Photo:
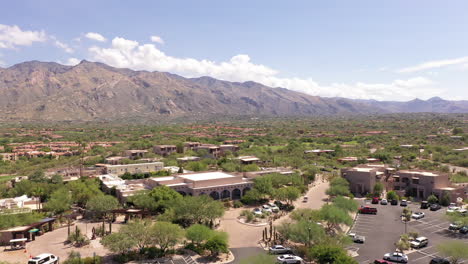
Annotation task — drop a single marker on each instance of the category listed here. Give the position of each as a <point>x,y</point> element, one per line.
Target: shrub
<point>237,204</point>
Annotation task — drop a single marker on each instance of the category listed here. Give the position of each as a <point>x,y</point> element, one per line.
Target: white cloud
<point>95,36</point>
<point>13,36</point>
<point>61,45</point>
<point>434,64</point>
<point>130,54</point>
<point>72,61</point>
<point>157,39</point>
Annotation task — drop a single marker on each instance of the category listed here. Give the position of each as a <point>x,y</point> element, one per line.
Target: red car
<point>381,261</point>
<point>368,210</point>
<point>375,200</point>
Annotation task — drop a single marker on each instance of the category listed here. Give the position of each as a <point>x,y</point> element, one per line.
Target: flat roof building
<point>165,150</point>
<point>421,183</point>
<point>363,178</point>
<point>133,168</point>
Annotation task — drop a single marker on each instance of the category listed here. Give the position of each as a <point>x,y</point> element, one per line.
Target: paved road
<point>244,239</point>
<point>381,232</point>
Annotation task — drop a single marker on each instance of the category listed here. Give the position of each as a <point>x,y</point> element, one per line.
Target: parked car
<point>463,211</point>
<point>279,249</point>
<point>357,238</point>
<point>44,258</point>
<point>435,207</point>
<point>394,202</point>
<point>452,209</point>
<point>424,205</point>
<point>455,226</point>
<point>266,209</point>
<point>367,210</point>
<point>439,261</point>
<point>418,215</point>
<point>404,203</point>
<point>396,257</point>
<point>280,205</point>
<point>419,242</point>
<point>257,211</point>
<point>383,202</point>
<point>375,200</point>
<point>381,261</point>
<point>305,199</point>
<point>463,229</point>
<point>287,259</point>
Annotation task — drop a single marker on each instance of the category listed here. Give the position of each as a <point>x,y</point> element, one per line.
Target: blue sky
<point>385,50</point>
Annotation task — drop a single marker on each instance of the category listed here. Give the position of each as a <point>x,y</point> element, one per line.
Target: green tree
<point>306,214</point>
<point>101,205</point>
<point>251,196</point>
<point>59,202</point>
<point>325,253</point>
<point>56,179</point>
<point>378,189</point>
<point>196,210</point>
<point>143,200</point>
<point>304,231</point>
<point>456,251</point>
<point>338,190</point>
<point>457,131</point>
<point>392,195</point>
<point>432,199</point>
<point>83,189</point>
<point>138,232</point>
<point>404,243</point>
<point>37,176</point>
<point>164,196</point>
<point>345,203</point>
<point>118,243</point>
<point>217,243</point>
<point>445,199</point>
<point>334,216</point>
<point>198,233</point>
<point>166,235</point>
<point>288,194</point>
<point>263,185</point>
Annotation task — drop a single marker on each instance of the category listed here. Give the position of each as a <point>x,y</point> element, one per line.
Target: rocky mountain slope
<point>94,91</point>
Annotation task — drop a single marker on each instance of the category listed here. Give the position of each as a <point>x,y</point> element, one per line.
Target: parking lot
<point>384,229</point>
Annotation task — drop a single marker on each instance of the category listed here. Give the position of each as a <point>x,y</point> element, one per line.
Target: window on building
<point>415,181</point>
<point>397,188</point>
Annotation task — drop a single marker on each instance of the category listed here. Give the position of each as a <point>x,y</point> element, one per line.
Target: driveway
<point>243,239</point>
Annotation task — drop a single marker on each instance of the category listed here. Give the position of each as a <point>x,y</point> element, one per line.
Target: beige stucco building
<point>363,178</point>
<point>133,168</point>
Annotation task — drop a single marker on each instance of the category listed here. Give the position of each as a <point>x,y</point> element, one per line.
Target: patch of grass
<point>6,178</point>
<point>458,178</point>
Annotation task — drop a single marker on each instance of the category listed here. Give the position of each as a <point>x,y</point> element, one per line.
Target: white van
<point>44,258</point>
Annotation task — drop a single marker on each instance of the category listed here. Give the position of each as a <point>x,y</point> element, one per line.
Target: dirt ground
<point>53,242</point>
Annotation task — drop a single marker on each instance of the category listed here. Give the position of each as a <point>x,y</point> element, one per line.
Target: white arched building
<point>218,185</point>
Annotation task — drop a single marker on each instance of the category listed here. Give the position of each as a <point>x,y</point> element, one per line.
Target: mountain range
<point>47,91</point>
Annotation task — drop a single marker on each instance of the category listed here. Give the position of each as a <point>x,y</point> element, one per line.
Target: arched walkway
<point>214,195</point>
<point>245,191</point>
<point>236,194</point>
<point>225,194</point>
<point>183,193</point>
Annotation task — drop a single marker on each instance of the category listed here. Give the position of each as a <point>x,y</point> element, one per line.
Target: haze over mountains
<point>94,91</point>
